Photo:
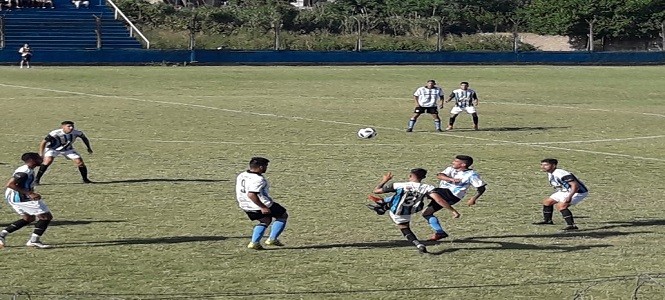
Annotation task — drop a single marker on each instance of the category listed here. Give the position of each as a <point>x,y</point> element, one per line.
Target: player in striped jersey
<point>61,142</point>
<point>569,191</point>
<point>466,99</point>
<point>21,196</point>
<point>426,98</point>
<point>455,181</point>
<point>407,200</point>
<point>253,198</point>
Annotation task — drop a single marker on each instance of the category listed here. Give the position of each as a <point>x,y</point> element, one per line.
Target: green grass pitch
<point>163,222</point>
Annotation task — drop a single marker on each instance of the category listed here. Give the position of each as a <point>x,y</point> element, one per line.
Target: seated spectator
<point>47,3</point>
<point>79,3</point>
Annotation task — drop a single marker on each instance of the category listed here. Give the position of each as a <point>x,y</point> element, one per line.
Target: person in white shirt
<point>408,199</point>
<point>427,98</point>
<point>569,190</point>
<point>26,55</point>
<point>466,99</point>
<point>61,142</point>
<point>21,196</point>
<point>455,181</point>
<point>252,194</point>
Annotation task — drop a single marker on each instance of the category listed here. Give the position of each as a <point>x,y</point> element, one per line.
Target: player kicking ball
<point>407,200</point>
<point>21,196</point>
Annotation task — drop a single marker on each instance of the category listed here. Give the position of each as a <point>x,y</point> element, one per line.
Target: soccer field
<point>162,222</point>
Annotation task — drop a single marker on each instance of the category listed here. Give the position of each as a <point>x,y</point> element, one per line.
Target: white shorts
<point>561,196</point>
<point>31,208</point>
<point>468,109</point>
<point>70,154</point>
<point>400,219</point>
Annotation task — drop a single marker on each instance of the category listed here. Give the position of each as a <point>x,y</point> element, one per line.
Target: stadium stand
<point>65,27</point>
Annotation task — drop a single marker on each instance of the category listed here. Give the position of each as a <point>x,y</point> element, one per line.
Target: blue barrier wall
<point>220,57</point>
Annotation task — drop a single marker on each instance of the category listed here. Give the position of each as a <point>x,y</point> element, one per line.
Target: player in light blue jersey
<point>455,181</point>
<point>569,190</point>
<point>407,200</point>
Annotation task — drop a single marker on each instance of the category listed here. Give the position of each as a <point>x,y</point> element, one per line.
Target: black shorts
<point>276,211</point>
<point>26,57</point>
<point>447,195</point>
<point>429,110</point>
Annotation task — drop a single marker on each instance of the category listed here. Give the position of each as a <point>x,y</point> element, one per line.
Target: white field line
<point>323,121</point>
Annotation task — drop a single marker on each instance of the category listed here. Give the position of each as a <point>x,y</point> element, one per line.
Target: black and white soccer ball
<point>366,133</point>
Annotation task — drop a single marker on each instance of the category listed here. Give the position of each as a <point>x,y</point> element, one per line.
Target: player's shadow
<point>75,222</point>
<point>523,128</point>
<point>636,223</point>
<point>172,180</point>
<point>585,233</point>
<point>149,241</point>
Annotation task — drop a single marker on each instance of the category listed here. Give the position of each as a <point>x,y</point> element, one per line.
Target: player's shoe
<point>274,243</point>
<point>379,210</point>
<point>88,181</point>
<point>437,236</point>
<point>375,198</point>
<point>543,222</point>
<point>475,127</point>
<point>570,228</point>
<point>421,248</point>
<point>255,246</point>
<point>450,127</point>
<point>2,242</point>
<point>409,130</point>
<point>439,130</point>
<point>37,244</point>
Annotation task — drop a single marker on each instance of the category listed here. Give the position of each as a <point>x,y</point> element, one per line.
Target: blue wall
<point>212,57</point>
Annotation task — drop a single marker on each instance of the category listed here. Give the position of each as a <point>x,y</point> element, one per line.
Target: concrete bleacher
<point>65,27</point>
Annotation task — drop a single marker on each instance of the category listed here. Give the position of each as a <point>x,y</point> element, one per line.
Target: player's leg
<point>280,215</point>
<point>80,164</point>
<point>412,122</point>
<point>453,115</point>
<point>437,120</point>
<point>49,156</point>
<point>548,210</point>
<point>25,220</point>
<point>474,116</point>
<point>433,221</point>
<point>44,220</point>
<point>409,235</point>
<point>566,213</point>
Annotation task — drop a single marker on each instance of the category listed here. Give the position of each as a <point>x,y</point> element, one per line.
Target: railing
<point>2,32</point>
<point>132,29</point>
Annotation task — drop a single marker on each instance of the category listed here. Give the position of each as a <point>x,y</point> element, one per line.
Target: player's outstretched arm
<point>436,197</point>
<point>480,192</point>
<point>86,141</point>
<point>379,187</point>
<point>446,178</point>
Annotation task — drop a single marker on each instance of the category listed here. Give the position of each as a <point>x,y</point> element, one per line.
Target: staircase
<point>65,27</point>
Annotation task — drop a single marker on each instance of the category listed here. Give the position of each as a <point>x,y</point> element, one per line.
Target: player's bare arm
<point>415,99</point>
<point>475,99</point>
<point>379,187</point>
<point>14,186</point>
<point>255,199</point>
<point>480,192</point>
<point>574,187</point>
<point>436,197</point>
<point>86,141</point>
<point>42,147</point>
<point>446,178</point>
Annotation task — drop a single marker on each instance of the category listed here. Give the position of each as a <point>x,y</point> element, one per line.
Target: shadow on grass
<point>144,180</point>
<point>535,128</point>
<point>149,241</point>
<point>74,222</point>
<point>585,233</point>
<point>637,223</point>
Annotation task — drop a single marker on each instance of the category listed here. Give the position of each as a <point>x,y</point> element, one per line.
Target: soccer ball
<point>366,133</point>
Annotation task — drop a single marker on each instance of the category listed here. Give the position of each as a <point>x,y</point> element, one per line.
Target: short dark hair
<point>551,161</point>
<point>464,82</point>
<point>468,160</point>
<point>67,123</point>
<point>432,81</point>
<point>419,172</point>
<point>258,161</point>
<point>30,156</point>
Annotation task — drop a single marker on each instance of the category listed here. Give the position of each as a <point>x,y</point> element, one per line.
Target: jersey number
<point>242,186</point>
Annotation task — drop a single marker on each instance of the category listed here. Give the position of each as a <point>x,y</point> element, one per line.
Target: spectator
<point>26,55</point>
<point>79,3</point>
<point>45,3</point>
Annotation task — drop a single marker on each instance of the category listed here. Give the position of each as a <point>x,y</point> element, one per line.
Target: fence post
<point>662,35</point>
<point>98,31</point>
<point>2,32</point>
